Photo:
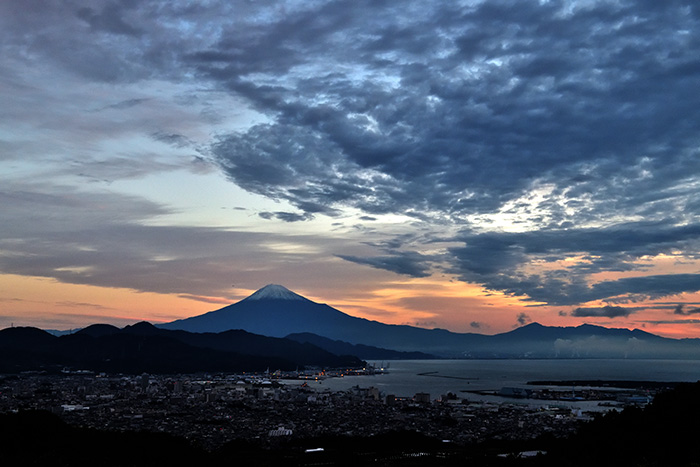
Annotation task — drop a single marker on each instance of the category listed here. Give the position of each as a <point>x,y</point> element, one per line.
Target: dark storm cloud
<point>108,19</point>
<point>177,140</point>
<point>675,321</point>
<point>406,263</point>
<point>606,312</point>
<point>440,109</point>
<point>478,101</point>
<point>572,121</point>
<point>498,261</point>
<point>523,319</point>
<point>682,310</point>
<point>285,216</point>
<point>452,112</point>
<point>110,41</point>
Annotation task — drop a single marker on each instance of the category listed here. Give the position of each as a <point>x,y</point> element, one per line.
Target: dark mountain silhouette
<point>587,341</point>
<point>276,311</point>
<point>33,338</point>
<point>365,352</point>
<point>99,330</point>
<point>244,342</point>
<point>144,348</point>
<point>539,332</point>
<point>658,434</point>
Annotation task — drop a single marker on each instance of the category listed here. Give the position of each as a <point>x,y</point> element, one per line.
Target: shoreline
<point>608,384</point>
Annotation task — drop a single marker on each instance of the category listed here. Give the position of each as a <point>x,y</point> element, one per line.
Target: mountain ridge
<point>273,316</point>
<point>142,347</point>
<point>364,352</point>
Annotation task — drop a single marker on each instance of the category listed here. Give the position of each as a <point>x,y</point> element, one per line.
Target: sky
<point>468,165</point>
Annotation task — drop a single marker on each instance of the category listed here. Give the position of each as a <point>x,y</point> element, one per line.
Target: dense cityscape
<point>211,410</point>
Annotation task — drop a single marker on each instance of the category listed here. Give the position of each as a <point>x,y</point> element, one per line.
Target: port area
<point>317,374</point>
<point>607,393</point>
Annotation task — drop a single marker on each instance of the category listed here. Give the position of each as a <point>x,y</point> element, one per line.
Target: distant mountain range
<point>364,352</point>
<point>145,348</point>
<point>278,312</point>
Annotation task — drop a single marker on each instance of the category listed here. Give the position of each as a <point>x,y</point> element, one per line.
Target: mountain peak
<point>275,292</point>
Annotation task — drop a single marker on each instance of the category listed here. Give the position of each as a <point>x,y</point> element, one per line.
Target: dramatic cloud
<point>567,123</point>
<point>523,319</point>
<point>606,312</point>
<point>499,261</point>
<point>682,310</point>
<point>545,151</point>
<point>407,263</point>
<point>485,102</point>
<point>285,216</point>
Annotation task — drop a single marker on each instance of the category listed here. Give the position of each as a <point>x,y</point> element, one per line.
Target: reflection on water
<point>437,377</point>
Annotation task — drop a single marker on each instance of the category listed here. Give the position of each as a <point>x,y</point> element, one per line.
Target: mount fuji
<point>276,311</point>
<point>275,292</point>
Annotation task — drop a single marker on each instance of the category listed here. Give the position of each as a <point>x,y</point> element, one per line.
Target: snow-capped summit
<point>275,292</point>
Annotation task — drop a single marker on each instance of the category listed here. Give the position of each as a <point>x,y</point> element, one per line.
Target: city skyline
<point>474,166</point>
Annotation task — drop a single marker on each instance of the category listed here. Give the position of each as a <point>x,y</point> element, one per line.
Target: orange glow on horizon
<point>423,302</point>
<point>49,304</point>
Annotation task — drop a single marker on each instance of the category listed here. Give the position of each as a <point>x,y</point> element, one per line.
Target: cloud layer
<point>573,124</point>
<point>545,150</point>
<point>458,110</point>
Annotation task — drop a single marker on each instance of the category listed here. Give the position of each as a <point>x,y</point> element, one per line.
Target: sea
<point>405,378</point>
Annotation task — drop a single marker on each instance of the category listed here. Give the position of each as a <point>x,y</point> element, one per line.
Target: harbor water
<point>405,378</point>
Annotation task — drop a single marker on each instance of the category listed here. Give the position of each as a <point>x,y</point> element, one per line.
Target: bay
<point>405,378</point>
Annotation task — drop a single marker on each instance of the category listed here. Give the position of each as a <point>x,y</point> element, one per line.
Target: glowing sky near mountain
<point>472,165</point>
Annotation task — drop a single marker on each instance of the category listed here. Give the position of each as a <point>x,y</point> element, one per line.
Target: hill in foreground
<point>144,348</point>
